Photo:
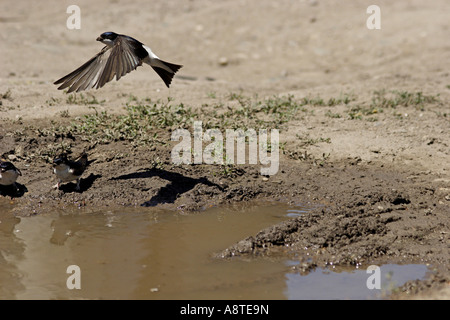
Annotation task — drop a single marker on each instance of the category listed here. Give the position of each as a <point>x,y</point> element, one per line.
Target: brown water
<point>146,253</point>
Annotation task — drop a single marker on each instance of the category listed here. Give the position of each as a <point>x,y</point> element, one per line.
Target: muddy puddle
<point>146,253</point>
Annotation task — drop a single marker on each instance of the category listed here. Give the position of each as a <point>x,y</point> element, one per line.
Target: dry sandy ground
<point>386,176</point>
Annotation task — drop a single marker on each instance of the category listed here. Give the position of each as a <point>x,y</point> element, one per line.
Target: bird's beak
<point>99,39</point>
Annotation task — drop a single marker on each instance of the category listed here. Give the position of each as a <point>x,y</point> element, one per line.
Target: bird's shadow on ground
<point>178,185</point>
<point>12,191</point>
<point>85,184</point>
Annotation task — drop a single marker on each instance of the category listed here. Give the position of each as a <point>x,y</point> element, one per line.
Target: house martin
<point>9,174</point>
<point>68,170</point>
<point>121,55</point>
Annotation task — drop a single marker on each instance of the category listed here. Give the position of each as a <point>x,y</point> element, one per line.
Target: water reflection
<point>11,251</point>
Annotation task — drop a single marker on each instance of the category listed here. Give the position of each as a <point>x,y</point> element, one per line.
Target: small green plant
<point>307,141</point>
<point>6,95</point>
<point>64,114</point>
<point>161,114</point>
<point>157,163</point>
<point>136,126</point>
<point>358,111</point>
<point>344,98</point>
<point>53,101</point>
<point>235,96</point>
<point>321,162</point>
<point>332,114</point>
<point>392,99</point>
<point>81,99</point>
<point>317,101</point>
<point>48,152</point>
<point>211,95</point>
<point>229,170</point>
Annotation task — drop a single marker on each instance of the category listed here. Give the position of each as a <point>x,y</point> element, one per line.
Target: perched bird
<point>68,170</point>
<point>121,55</point>
<point>9,174</point>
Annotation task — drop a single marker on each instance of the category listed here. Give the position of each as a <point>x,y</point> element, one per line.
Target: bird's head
<point>107,38</point>
<point>3,166</point>
<point>60,159</point>
<point>6,166</point>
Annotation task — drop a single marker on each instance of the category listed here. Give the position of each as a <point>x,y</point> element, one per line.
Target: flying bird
<point>9,174</point>
<point>121,55</point>
<point>68,170</point>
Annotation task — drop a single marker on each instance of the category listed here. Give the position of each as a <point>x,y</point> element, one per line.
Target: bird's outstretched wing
<point>100,69</point>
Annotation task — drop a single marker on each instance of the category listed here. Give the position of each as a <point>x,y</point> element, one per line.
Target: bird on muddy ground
<point>68,170</point>
<point>9,174</point>
<point>121,55</point>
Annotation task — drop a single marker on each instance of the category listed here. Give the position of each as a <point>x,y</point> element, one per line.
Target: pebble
<point>19,151</point>
<point>223,61</point>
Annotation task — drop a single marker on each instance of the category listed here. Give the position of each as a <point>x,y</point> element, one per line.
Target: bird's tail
<point>82,158</point>
<point>165,70</point>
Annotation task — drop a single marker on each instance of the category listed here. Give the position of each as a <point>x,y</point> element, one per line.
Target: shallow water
<point>350,283</point>
<point>146,253</point>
